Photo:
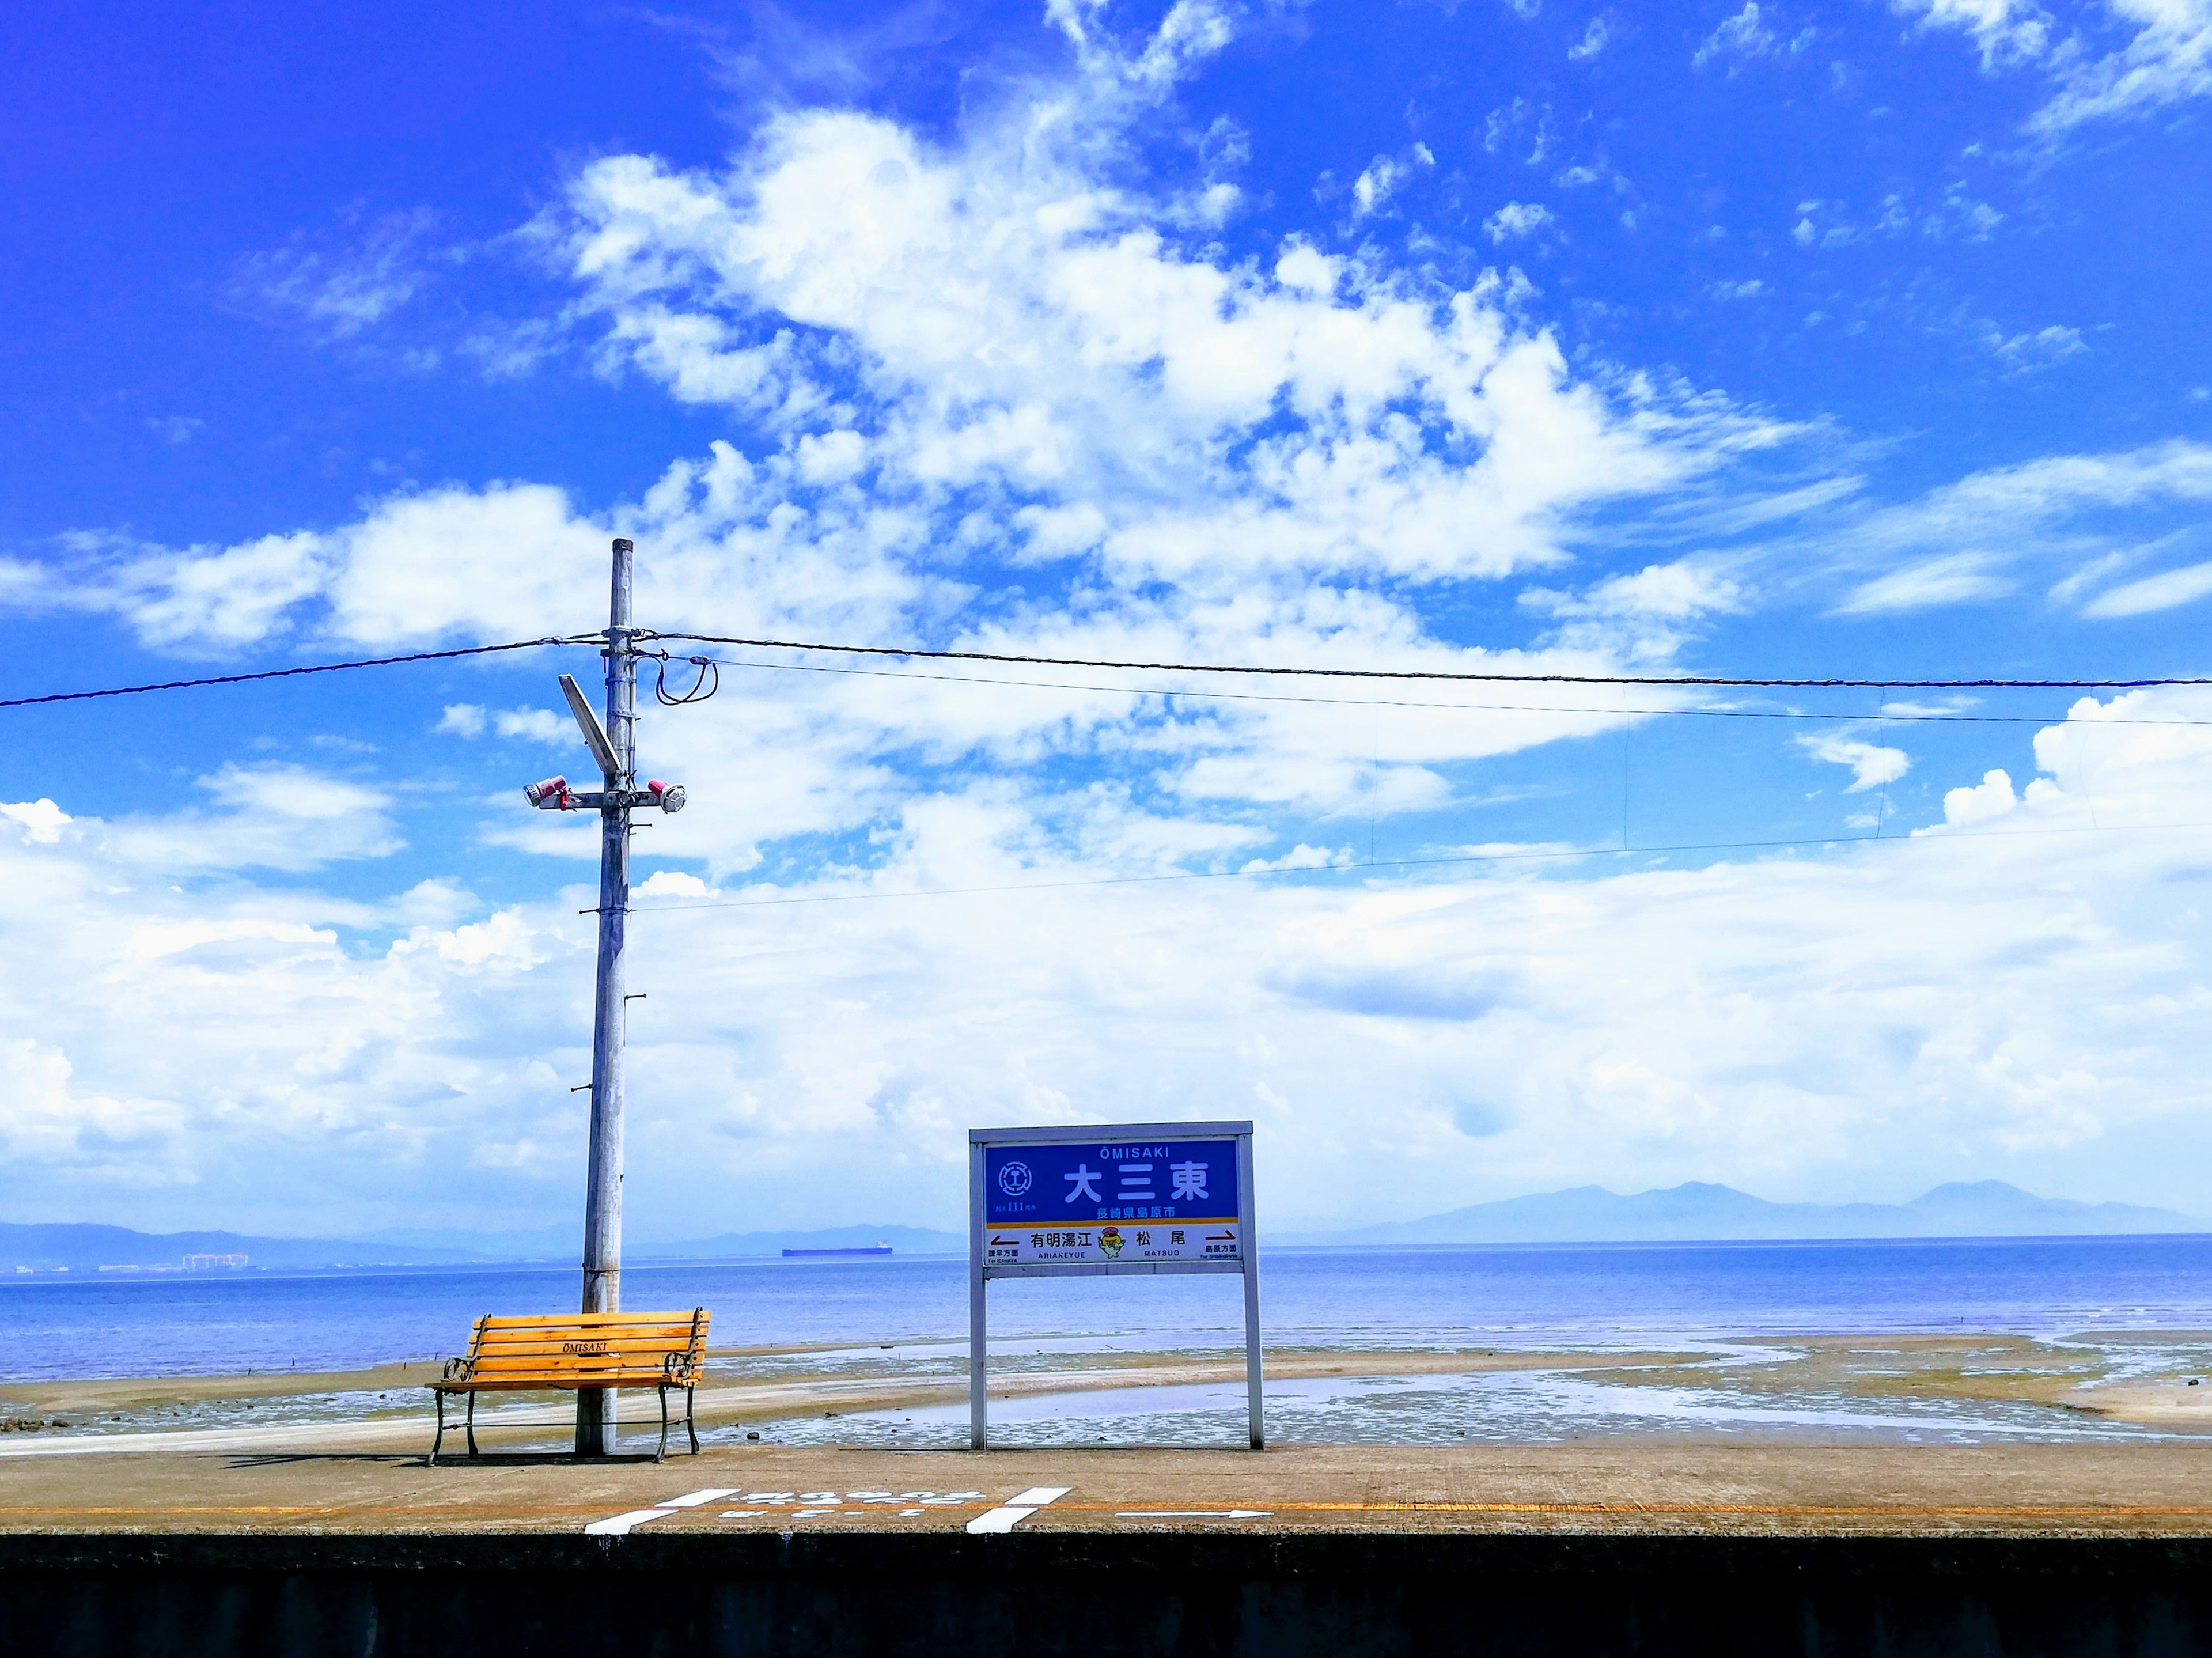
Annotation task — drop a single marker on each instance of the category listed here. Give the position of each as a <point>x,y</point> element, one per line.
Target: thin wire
<point>294,673</point>
<point>1419,673</point>
<point>1404,863</point>
<point>1470,707</point>
<point>707,682</point>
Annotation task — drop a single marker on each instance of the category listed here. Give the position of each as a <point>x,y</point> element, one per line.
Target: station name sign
<point>1105,1202</point>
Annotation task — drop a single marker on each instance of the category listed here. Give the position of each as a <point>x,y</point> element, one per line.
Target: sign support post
<point>1252,1371</point>
<point>1109,1200</point>
<point>978,1363</point>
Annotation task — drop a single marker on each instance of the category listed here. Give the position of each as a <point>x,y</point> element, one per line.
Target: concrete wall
<point>1044,1594</point>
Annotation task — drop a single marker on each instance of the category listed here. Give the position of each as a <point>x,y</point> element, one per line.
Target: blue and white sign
<point>1112,1201</point>
<point>1130,1198</point>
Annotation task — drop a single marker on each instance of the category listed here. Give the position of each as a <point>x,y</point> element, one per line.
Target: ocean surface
<point>2136,1304</point>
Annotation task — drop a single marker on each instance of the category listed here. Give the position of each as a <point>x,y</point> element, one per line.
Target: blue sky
<point>1864,340</point>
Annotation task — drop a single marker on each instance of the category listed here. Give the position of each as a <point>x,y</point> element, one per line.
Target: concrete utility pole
<point>614,747</point>
<point>603,1191</point>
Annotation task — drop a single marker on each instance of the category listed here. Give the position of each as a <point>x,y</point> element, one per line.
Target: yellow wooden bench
<point>579,1349</point>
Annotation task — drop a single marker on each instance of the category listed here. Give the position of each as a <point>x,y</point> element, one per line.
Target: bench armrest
<point>458,1369</point>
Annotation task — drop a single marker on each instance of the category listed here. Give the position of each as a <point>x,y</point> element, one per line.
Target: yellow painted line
<point>2115,1512</point>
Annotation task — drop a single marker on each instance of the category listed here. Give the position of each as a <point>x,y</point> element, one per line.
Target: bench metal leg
<point>691,1398</point>
<point>431,1461</point>
<point>472,1422</point>
<point>661,1455</point>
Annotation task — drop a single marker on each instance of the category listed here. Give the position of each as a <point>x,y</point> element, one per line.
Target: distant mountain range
<point>1696,1210</point>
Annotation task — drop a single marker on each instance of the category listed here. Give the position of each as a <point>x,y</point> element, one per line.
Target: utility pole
<point>614,747</point>
<point>602,1191</point>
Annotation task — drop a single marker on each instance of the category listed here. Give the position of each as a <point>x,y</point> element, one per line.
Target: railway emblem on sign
<point>1014,1179</point>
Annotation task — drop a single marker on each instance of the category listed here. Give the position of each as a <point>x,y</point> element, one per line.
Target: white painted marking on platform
<point>743,1514</point>
<point>1193,1514</point>
<point>622,1524</point>
<point>699,1499</point>
<point>1017,1509</point>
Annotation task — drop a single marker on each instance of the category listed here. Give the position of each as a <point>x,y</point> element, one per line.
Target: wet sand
<point>383,1407</point>
<point>389,1407</point>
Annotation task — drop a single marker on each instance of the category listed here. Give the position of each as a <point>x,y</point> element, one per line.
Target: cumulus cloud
<point>1951,990</point>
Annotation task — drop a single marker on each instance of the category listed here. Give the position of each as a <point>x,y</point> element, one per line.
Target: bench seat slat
<point>501,1322</point>
<point>554,1335</point>
<point>628,1327</point>
<point>562,1340</point>
<point>581,1376</point>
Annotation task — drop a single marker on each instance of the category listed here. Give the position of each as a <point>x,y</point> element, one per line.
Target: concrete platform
<point>1614,1487</point>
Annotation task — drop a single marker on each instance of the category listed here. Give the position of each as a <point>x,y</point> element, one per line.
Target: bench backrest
<point>588,1347</point>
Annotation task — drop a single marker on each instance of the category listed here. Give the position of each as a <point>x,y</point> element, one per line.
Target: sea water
<point>911,1314</point>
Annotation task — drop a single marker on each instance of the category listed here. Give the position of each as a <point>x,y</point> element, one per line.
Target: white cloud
<point>345,290</point>
<point>1592,42</point>
<point>1385,176</point>
<point>270,816</point>
<point>1747,35</point>
<point>1962,542</point>
<point>2166,58</point>
<point>2167,61</point>
<point>41,821</point>
<point>1954,579</point>
<point>1872,765</point>
<point>2005,31</point>
<point>1750,288</point>
<point>1742,34</point>
<point>1517,219</point>
<point>2027,352</point>
<point>174,428</point>
<point>536,725</point>
<point>2162,592</point>
<point>1990,798</point>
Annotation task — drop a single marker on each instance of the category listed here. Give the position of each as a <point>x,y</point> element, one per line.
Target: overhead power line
<point>1438,676</point>
<point>1887,717</point>
<point>294,673</point>
<point>1495,679</point>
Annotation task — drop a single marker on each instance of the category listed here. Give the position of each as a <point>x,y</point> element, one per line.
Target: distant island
<point>1694,1212</point>
<point>1698,1212</point>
